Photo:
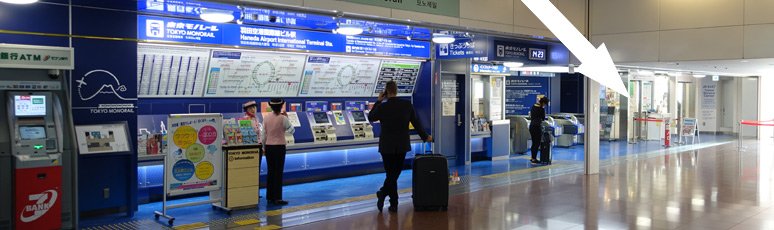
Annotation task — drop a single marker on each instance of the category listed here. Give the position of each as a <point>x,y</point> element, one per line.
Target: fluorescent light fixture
<point>715,78</point>
<point>547,69</point>
<point>216,15</point>
<point>699,75</point>
<point>443,38</point>
<point>513,64</point>
<point>646,73</point>
<point>349,29</point>
<point>19,1</point>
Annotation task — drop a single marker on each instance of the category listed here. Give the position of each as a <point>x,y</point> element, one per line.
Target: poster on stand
<point>235,73</point>
<point>688,127</point>
<point>102,138</point>
<point>334,76</point>
<point>194,159</point>
<point>171,71</point>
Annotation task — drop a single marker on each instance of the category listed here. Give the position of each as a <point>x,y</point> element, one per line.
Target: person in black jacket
<point>394,115</point>
<point>537,115</point>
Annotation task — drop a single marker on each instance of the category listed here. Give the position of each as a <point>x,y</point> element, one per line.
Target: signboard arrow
<point>596,63</point>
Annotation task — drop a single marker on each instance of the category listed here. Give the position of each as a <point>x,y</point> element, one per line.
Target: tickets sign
<point>194,160</point>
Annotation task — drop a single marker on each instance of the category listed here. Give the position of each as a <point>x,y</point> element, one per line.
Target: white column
<point>591,145</point>
<point>765,107</point>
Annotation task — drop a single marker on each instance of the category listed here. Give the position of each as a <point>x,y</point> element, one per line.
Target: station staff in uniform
<point>395,115</point>
<point>537,115</point>
<point>275,125</point>
<point>251,109</point>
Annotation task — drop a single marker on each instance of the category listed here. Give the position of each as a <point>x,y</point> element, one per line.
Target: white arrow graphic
<point>596,62</point>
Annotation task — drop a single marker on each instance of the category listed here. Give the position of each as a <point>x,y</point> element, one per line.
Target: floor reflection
<point>711,188</point>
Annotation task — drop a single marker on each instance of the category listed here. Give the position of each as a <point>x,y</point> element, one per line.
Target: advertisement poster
<point>194,160</point>
<point>333,76</point>
<point>449,97</point>
<point>103,138</point>
<point>254,74</point>
<point>523,92</point>
<point>405,74</point>
<point>709,101</point>
<point>689,127</point>
<point>171,71</point>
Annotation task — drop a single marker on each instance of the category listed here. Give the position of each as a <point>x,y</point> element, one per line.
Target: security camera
<point>53,73</point>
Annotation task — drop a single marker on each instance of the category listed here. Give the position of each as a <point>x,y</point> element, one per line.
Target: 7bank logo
<point>154,28</point>
<point>42,203</point>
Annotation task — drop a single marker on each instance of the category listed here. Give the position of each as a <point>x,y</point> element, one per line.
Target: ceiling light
<point>19,1</point>
<point>443,38</point>
<point>349,29</point>
<point>216,15</point>
<point>547,69</point>
<point>675,74</point>
<point>699,75</point>
<point>646,73</point>
<point>513,64</point>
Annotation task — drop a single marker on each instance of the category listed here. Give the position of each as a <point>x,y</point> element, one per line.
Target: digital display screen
<point>359,116</point>
<point>321,118</point>
<point>32,132</point>
<point>29,105</point>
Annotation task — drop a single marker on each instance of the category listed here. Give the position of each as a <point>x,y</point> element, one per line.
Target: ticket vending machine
<point>322,128</point>
<point>358,120</point>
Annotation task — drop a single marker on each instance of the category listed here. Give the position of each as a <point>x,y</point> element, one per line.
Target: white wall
<point>765,107</point>
<point>683,30</point>
<point>748,102</point>
<point>510,16</point>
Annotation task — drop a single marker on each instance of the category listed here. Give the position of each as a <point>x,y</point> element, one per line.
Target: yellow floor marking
<point>520,171</point>
<point>268,227</point>
<point>326,204</point>
<point>192,226</point>
<point>247,222</point>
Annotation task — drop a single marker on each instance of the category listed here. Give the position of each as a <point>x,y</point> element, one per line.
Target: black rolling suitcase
<point>546,145</point>
<point>430,181</point>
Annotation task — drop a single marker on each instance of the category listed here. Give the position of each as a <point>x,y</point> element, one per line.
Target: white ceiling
<point>741,67</point>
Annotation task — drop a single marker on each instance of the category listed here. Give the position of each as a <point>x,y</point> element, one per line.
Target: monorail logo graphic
<point>42,203</point>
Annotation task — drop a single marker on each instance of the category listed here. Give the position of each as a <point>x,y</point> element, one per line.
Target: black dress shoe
<point>279,202</point>
<point>380,200</point>
<point>393,208</point>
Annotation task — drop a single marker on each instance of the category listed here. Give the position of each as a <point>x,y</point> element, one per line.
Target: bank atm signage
<point>193,31</point>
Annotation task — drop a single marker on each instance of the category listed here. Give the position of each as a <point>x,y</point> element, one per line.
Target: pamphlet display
<point>339,77</point>
<point>102,138</point>
<point>254,74</point>
<point>405,74</point>
<point>170,71</point>
<point>194,160</point>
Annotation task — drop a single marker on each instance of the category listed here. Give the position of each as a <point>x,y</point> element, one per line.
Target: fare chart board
<point>405,74</point>
<point>254,74</point>
<point>334,76</point>
<point>170,71</point>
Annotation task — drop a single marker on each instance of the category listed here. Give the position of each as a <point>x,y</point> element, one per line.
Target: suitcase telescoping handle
<point>425,149</point>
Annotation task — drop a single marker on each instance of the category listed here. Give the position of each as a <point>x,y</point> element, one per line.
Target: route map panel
<point>170,71</point>
<point>333,76</point>
<point>404,74</point>
<point>254,74</point>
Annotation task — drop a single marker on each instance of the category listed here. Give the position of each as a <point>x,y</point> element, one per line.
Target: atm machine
<point>358,120</point>
<point>319,117</point>
<point>37,158</point>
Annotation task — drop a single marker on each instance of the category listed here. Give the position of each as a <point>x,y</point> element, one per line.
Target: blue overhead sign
<point>489,68</point>
<point>192,31</point>
<point>463,48</point>
<point>519,52</point>
<point>278,18</point>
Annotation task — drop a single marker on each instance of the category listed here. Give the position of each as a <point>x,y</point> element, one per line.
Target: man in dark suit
<point>394,141</point>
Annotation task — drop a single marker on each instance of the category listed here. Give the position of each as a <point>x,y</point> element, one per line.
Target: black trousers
<point>275,162</point>
<point>537,137</point>
<point>393,165</point>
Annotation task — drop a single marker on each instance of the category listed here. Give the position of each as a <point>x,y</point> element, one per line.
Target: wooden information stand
<point>243,165</point>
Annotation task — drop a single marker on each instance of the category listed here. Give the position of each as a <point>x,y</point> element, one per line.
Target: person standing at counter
<point>251,110</point>
<point>537,115</point>
<point>275,125</point>
<point>394,115</point>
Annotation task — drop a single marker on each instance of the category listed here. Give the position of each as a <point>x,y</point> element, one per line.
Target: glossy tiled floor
<point>641,186</point>
<point>712,188</point>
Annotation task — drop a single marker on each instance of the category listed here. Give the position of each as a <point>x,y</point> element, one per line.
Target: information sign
<point>194,157</point>
<point>404,74</point>
<point>334,76</point>
<point>254,74</point>
<point>170,71</point>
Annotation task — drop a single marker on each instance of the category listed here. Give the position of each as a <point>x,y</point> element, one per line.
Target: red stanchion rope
<point>649,119</point>
<point>757,123</point>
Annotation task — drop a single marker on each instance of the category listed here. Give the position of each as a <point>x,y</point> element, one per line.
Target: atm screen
<point>32,132</point>
<point>321,118</point>
<point>29,105</point>
<point>358,116</point>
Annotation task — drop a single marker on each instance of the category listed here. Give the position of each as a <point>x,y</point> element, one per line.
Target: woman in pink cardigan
<point>275,125</point>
